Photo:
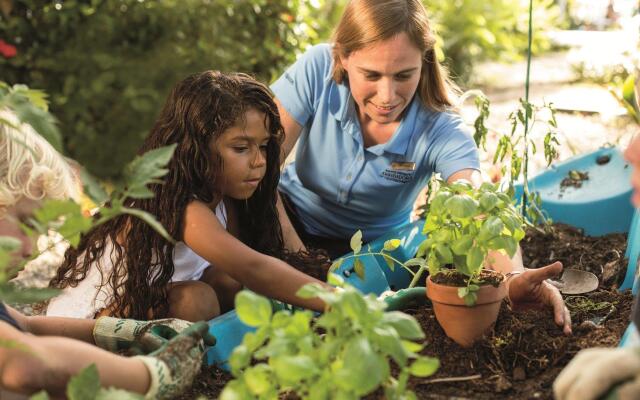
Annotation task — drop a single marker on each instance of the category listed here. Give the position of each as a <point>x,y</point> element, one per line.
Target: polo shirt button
<point>360,157</point>
<point>349,177</point>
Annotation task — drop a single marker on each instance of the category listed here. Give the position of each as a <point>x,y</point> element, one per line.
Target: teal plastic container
<point>601,206</point>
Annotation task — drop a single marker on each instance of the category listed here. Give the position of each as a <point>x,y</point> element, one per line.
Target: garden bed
<point>525,351</point>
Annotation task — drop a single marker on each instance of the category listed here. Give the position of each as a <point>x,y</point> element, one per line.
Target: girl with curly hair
<point>218,201</point>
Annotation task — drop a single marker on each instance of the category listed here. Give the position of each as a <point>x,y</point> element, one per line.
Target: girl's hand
<point>531,289</point>
<point>115,334</point>
<point>173,367</point>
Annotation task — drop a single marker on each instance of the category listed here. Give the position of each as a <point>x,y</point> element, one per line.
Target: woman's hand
<point>531,289</point>
<point>593,372</point>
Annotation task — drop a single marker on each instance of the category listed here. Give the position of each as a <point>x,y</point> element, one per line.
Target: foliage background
<point>108,65</point>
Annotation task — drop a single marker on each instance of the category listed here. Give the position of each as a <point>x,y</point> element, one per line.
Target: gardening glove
<point>173,366</point>
<point>531,289</point>
<point>115,334</point>
<point>593,372</point>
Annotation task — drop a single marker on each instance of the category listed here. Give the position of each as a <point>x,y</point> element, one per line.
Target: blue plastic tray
<point>601,206</point>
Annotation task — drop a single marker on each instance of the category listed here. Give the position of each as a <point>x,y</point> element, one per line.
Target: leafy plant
<point>463,225</point>
<point>345,353</point>
<point>517,147</point>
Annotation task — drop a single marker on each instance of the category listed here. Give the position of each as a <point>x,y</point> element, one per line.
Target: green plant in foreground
<point>463,225</point>
<point>344,353</point>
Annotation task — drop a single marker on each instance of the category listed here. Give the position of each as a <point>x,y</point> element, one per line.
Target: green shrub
<point>471,31</point>
<point>109,65</point>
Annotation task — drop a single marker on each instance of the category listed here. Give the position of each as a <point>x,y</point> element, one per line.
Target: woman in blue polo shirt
<point>373,118</point>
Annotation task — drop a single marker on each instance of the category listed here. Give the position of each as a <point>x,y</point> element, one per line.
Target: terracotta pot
<point>465,324</point>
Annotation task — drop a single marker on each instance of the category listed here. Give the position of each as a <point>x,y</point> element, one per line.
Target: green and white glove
<point>115,334</point>
<point>173,367</point>
<point>594,372</point>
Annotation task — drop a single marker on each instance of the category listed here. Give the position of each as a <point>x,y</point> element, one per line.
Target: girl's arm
<point>80,329</point>
<point>263,274</point>
<point>36,363</point>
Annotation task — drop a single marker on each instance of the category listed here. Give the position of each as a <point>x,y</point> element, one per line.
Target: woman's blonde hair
<point>365,22</point>
<point>30,167</point>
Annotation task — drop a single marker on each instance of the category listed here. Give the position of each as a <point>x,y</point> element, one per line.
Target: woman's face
<point>383,78</point>
<point>243,149</point>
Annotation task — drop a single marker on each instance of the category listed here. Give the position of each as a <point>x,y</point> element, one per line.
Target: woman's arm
<point>263,274</point>
<point>471,175</point>
<point>37,363</point>
<point>292,129</point>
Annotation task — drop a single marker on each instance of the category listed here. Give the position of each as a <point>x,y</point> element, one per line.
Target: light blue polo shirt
<point>337,185</point>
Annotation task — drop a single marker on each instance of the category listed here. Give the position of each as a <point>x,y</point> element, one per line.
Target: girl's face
<point>10,225</point>
<point>243,150</point>
<point>383,78</point>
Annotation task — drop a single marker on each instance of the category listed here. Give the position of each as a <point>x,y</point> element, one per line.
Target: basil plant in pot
<point>468,229</point>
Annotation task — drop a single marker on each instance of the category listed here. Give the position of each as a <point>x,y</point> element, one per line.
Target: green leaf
<point>475,258</point>
<point>392,244</point>
<point>293,369</point>
<point>444,253</point>
<point>470,299</point>
<point>9,293</point>
<point>9,244</point>
<point>461,206</point>
<point>415,262</point>
<point>424,367</point>
<point>335,280</point>
<point>491,228</point>
<point>488,201</point>
<point>145,169</point>
<point>363,370</point>
<point>358,267</point>
<point>150,220</point>
<point>239,359</point>
<point>93,188</point>
<point>390,263</point>
<point>389,342</point>
<point>335,265</point>
<point>505,243</point>
<point>85,385</point>
<point>41,395</point>
<point>406,326</point>
<point>356,242</point>
<point>437,204</point>
<point>462,245</point>
<point>258,379</point>
<point>252,309</point>
<point>235,390</point>
<point>311,290</point>
<point>112,393</point>
<point>463,291</point>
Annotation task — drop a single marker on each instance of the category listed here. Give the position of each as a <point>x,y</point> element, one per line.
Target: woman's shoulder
<point>317,59</point>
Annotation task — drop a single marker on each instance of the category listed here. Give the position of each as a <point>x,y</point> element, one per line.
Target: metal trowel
<point>575,281</point>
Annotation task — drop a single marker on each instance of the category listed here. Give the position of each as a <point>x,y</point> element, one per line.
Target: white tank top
<point>86,299</point>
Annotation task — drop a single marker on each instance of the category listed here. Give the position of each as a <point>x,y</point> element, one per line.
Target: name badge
<point>403,166</point>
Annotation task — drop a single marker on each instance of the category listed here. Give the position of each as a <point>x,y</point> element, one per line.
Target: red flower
<point>7,50</point>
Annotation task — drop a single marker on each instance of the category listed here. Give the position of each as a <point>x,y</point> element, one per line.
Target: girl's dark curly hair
<point>197,112</point>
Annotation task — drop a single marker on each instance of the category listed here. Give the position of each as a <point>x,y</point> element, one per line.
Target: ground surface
<point>522,355</point>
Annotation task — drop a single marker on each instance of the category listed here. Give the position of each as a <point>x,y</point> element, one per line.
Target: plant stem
<point>416,277</point>
<point>525,188</point>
